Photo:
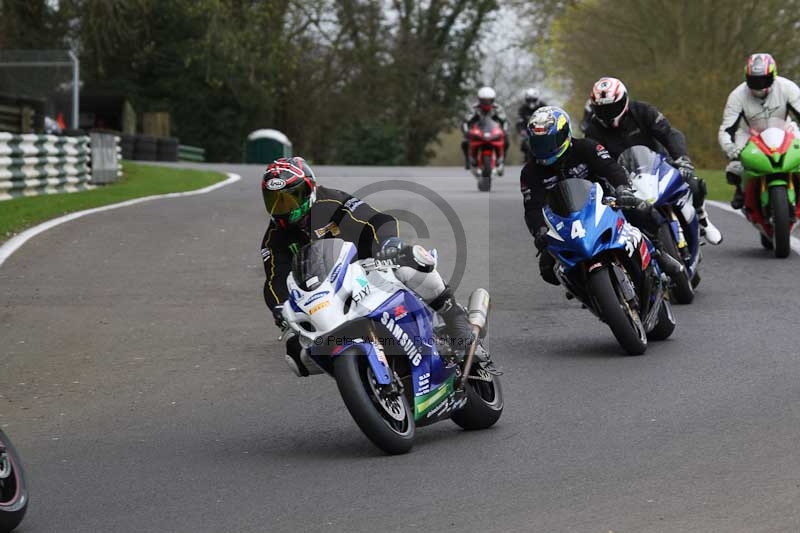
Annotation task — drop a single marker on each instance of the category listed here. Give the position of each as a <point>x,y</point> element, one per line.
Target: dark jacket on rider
<point>497,113</point>
<point>524,113</point>
<point>335,213</point>
<point>643,124</point>
<point>584,159</point>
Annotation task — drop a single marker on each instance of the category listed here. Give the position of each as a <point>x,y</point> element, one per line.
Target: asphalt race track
<point>144,386</point>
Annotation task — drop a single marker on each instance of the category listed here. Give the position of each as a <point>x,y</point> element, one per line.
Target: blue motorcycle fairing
<point>586,233</point>
<point>408,324</point>
<point>673,191</point>
<point>671,187</point>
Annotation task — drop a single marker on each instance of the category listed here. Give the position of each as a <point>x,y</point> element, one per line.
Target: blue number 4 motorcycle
<point>357,322</point>
<point>659,184</point>
<point>607,264</point>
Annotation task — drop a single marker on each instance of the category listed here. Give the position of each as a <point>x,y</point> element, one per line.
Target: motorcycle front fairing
<point>584,235</point>
<point>348,303</point>
<point>582,226</point>
<point>406,328</point>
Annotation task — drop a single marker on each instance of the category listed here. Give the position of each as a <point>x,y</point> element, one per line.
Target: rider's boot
<point>738,198</point>
<point>457,327</point>
<point>708,230</point>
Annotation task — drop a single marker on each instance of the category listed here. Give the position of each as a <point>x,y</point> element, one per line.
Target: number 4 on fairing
<point>577,232</point>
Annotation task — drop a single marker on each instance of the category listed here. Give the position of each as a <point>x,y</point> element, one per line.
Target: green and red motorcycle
<point>771,161</point>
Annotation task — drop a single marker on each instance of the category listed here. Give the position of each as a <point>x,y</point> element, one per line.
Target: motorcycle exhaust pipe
<point>478,310</point>
<point>478,316</point>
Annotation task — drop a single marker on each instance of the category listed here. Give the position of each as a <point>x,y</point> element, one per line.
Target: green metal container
<point>265,146</point>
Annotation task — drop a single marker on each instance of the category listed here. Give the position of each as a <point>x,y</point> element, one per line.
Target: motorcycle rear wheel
<point>681,286</point>
<point>623,321</point>
<point>13,491</point>
<point>485,179</point>
<point>389,424</point>
<point>779,204</point>
<point>484,402</point>
<point>665,325</point>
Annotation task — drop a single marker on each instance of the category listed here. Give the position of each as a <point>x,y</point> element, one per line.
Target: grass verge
<point>137,181</point>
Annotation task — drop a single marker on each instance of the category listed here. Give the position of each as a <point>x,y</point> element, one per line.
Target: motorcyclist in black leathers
<point>587,116</point>
<point>532,103</point>
<point>558,156</point>
<point>619,123</point>
<point>302,211</point>
<point>486,106</point>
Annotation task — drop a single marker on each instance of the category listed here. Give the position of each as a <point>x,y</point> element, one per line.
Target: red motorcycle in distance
<point>486,140</point>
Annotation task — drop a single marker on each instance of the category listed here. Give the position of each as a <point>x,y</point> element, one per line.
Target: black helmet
<point>289,189</point>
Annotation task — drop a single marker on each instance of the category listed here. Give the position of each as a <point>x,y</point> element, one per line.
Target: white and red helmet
<point>609,101</point>
<point>760,73</point>
<point>486,96</point>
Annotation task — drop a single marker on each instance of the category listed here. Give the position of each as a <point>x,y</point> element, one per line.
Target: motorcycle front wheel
<point>485,180</point>
<point>13,492</point>
<point>617,313</point>
<point>779,205</point>
<point>385,418</point>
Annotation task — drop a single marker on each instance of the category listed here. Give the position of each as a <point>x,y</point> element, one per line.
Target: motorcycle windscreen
<point>487,124</point>
<point>642,165</point>
<point>638,160</point>
<point>757,125</point>
<point>314,261</point>
<point>569,196</point>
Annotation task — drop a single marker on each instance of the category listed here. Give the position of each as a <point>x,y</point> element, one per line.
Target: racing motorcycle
<point>357,322</point>
<point>771,161</point>
<point>486,140</point>
<point>607,264</point>
<point>660,184</point>
<point>13,492</point>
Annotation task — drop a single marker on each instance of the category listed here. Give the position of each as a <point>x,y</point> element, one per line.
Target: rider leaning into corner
<point>619,123</point>
<point>486,106</point>
<point>762,95</point>
<point>301,211</point>
<point>557,156</point>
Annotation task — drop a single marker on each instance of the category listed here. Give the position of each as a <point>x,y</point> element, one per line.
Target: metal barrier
<point>31,165</point>
<point>191,153</point>
<point>106,158</point>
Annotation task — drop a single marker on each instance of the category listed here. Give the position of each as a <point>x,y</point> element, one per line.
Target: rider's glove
<point>733,153</point>
<point>540,240</point>
<point>684,166</point>
<point>391,249</point>
<point>627,199</point>
<point>417,257</point>
<point>277,314</point>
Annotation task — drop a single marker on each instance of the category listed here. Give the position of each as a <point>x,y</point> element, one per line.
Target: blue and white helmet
<point>549,134</point>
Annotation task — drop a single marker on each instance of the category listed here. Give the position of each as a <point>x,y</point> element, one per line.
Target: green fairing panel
<point>424,403</point>
<point>756,163</point>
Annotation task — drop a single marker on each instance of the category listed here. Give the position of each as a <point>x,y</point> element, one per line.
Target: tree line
<point>377,81</point>
<point>682,56</point>
<point>348,81</point>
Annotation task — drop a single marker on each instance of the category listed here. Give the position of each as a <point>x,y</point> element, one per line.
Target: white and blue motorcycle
<point>357,322</point>
<point>660,184</point>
